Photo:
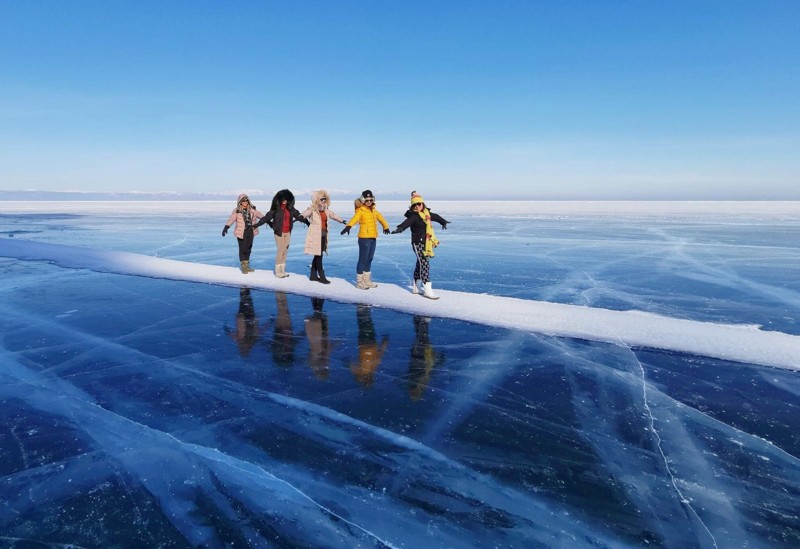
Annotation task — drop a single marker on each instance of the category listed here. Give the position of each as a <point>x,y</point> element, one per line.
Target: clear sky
<point>561,99</point>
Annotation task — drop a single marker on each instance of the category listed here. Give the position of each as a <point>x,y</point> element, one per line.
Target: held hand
<point>396,231</point>
<point>225,230</point>
<point>444,225</point>
<point>307,222</point>
<point>386,231</point>
<point>345,230</point>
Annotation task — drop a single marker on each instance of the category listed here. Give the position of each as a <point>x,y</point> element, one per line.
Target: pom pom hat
<point>416,199</point>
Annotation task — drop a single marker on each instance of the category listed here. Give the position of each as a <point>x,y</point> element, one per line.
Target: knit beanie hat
<point>367,194</point>
<point>416,199</point>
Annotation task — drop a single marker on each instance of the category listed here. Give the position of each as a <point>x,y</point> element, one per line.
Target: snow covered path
<point>740,343</point>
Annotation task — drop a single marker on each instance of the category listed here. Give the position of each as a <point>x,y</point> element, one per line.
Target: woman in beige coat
<point>317,235</point>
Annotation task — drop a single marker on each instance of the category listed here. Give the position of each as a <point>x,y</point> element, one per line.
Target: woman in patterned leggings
<point>423,241</point>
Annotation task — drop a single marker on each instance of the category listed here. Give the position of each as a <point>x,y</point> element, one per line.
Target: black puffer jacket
<point>414,222</point>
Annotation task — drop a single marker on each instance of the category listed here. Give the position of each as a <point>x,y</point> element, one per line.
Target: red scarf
<point>287,220</point>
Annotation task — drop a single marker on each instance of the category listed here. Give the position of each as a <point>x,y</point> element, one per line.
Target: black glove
<point>346,230</point>
<point>396,231</point>
<point>225,230</point>
<point>385,231</point>
<point>444,225</point>
<point>307,222</point>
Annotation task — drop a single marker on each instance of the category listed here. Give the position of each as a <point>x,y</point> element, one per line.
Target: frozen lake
<point>140,411</point>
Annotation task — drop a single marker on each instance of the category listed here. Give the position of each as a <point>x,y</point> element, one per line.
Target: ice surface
<point>146,411</point>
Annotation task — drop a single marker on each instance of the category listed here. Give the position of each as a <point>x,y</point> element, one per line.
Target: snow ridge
<point>735,342</point>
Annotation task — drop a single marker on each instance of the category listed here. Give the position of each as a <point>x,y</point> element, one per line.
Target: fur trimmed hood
<point>317,196</point>
<point>280,196</point>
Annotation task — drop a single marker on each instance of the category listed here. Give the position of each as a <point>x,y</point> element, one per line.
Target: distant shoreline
<point>719,211</point>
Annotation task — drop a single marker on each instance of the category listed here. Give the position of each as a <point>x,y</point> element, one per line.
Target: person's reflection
<point>424,358</point>
<point>283,339</point>
<point>320,347</point>
<point>369,352</point>
<point>247,332</point>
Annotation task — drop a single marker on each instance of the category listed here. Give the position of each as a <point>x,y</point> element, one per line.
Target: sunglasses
<point>323,199</point>
<point>369,200</point>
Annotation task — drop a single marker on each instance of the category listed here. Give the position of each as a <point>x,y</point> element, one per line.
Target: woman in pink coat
<point>319,215</point>
<point>244,216</point>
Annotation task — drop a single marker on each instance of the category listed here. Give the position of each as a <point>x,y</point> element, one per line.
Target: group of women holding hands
<point>282,215</point>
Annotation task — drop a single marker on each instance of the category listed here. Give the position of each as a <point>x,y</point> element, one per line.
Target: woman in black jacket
<point>281,217</point>
<point>423,241</point>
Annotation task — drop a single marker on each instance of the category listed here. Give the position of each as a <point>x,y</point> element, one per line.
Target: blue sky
<point>492,99</point>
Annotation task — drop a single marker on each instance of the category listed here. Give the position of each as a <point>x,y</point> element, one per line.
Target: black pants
<point>316,263</point>
<point>246,245</point>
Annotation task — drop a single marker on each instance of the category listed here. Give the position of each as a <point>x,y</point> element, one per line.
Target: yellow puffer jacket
<point>367,217</point>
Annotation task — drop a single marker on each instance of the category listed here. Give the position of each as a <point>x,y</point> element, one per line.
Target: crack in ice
<point>651,419</point>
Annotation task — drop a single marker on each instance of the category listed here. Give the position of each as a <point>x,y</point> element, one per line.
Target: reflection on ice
<point>424,358</point>
<point>319,343</point>
<point>248,330</point>
<point>370,352</point>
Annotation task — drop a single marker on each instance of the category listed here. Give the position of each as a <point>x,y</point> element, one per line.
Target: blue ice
<point>141,411</point>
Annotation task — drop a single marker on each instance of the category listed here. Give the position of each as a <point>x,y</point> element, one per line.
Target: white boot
<point>368,280</point>
<point>361,283</point>
<point>415,287</point>
<point>427,291</point>
<point>283,270</point>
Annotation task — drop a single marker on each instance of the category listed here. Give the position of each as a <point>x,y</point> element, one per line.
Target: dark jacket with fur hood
<point>274,217</point>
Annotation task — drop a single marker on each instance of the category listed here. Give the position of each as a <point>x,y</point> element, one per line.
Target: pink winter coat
<point>237,217</point>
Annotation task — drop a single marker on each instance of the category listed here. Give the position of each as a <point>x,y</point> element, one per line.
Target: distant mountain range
<point>261,195</point>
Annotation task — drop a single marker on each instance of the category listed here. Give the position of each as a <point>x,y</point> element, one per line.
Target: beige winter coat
<point>314,232</point>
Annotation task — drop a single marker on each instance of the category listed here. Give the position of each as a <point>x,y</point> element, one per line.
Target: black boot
<point>322,277</point>
<point>313,277</point>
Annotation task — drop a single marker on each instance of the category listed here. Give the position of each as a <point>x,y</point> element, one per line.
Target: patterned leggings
<point>422,270</point>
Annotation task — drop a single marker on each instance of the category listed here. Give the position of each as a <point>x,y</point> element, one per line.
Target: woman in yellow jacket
<point>368,217</point>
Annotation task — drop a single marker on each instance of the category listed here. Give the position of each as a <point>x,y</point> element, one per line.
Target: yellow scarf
<point>430,238</point>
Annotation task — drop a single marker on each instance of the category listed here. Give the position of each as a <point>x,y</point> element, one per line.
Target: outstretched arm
<point>266,220</point>
<point>403,226</point>
<point>299,217</point>
<point>439,219</point>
